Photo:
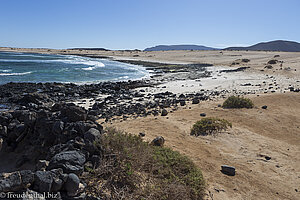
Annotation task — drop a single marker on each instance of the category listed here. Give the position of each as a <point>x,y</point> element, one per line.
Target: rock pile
<point>56,141</point>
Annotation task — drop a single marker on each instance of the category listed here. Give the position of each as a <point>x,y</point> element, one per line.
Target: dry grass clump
<point>134,169</point>
<point>237,102</point>
<point>209,126</point>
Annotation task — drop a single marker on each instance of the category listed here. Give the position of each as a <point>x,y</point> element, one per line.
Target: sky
<point>138,24</point>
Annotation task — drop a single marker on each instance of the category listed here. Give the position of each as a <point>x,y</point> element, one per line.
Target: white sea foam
<point>5,70</point>
<point>88,68</point>
<point>14,74</point>
<point>74,62</point>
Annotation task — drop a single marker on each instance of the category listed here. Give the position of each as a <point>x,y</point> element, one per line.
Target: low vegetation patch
<point>237,102</point>
<point>134,169</point>
<point>209,126</point>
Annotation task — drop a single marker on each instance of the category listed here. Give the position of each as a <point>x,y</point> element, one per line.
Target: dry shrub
<point>237,102</point>
<point>134,169</point>
<point>209,126</point>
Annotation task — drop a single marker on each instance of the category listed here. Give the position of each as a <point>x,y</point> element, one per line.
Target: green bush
<point>209,126</point>
<point>237,102</point>
<point>134,169</point>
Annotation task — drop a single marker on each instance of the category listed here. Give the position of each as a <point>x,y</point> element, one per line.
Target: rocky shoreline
<point>50,132</point>
<point>46,143</point>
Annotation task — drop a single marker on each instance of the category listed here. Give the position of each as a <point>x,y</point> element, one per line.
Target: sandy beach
<point>273,132</point>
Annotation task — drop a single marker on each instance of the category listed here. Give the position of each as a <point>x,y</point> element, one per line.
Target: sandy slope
<point>274,132</point>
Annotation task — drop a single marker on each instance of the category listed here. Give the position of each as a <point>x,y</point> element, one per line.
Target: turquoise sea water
<point>28,67</point>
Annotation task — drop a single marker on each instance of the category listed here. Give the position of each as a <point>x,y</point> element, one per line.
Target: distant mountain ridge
<point>92,49</point>
<point>277,45</point>
<point>178,47</point>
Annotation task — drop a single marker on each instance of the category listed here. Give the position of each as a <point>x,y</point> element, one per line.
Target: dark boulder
<point>272,62</point>
<point>74,113</point>
<point>3,131</point>
<point>43,181</point>
<point>58,127</point>
<point>264,107</point>
<point>141,134</point>
<point>92,135</point>
<point>72,184</point>
<point>164,112</point>
<point>69,161</point>
<point>195,101</point>
<point>158,141</point>
<point>182,102</point>
<point>202,114</point>
<point>228,170</point>
<point>35,98</point>
<point>16,181</point>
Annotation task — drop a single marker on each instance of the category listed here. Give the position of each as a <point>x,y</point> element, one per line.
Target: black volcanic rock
<point>277,45</point>
<point>178,47</point>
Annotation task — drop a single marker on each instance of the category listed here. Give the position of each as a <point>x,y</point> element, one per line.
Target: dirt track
<point>256,133</point>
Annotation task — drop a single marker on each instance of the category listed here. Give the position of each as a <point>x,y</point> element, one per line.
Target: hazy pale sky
<point>130,24</point>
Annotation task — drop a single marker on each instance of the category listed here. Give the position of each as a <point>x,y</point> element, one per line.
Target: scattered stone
<point>228,170</point>
<point>268,67</point>
<point>264,107</point>
<point>195,101</point>
<point>142,134</point>
<point>203,114</point>
<point>164,112</point>
<point>272,62</point>
<point>267,157</point>
<point>182,102</point>
<point>158,141</point>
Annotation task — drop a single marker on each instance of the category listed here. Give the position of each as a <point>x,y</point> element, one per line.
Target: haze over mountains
<point>277,45</point>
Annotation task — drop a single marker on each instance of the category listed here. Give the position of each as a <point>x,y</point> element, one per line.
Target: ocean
<point>31,67</point>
